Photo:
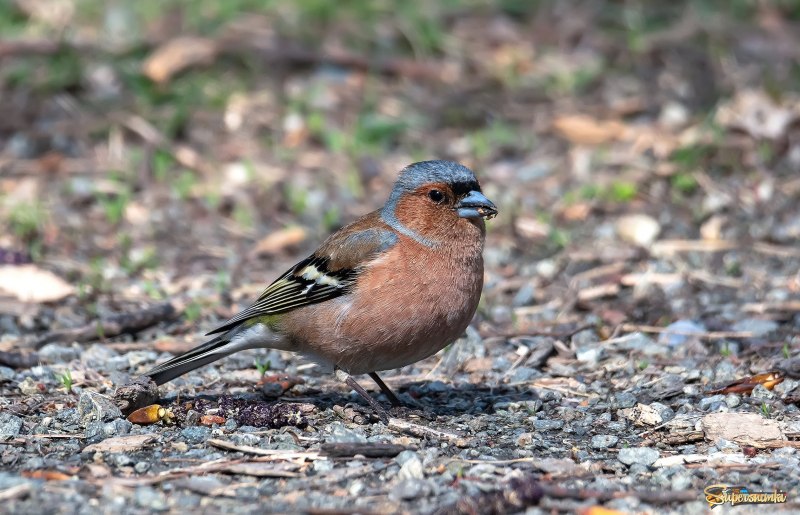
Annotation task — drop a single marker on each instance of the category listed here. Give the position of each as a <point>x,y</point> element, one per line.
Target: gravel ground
<point>639,336</point>
<point>627,422</point>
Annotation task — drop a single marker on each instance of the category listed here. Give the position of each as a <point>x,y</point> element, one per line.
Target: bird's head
<point>437,198</point>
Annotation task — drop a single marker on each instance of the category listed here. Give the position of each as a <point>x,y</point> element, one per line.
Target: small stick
<point>115,325</point>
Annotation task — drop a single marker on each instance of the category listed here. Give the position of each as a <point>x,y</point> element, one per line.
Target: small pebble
<point>604,441</point>
<point>641,455</point>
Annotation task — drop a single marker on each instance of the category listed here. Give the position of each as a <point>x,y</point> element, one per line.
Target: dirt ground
<point>638,339</point>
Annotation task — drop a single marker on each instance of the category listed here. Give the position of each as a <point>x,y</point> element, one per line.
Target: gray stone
<point>93,406</point>
<point>141,467</point>
<point>522,374</point>
<point>589,355</point>
<point>342,434</point>
<point>548,425</point>
<point>10,425</point>
<point>120,460</point>
<point>524,296</point>
<point>196,434</point>
<point>245,439</point>
<point>679,332</point>
<point>116,427</point>
<point>404,456</point>
<point>706,402</point>
<point>604,441</point>
<point>151,499</point>
<point>6,374</point>
<point>436,387</point>
<point>409,489</point>
<point>94,431</point>
<point>725,371</point>
<point>55,353</point>
<point>585,338</point>
<point>681,481</point>
<point>756,326</point>
<point>665,412</point>
<point>411,469</point>
<point>732,400</point>
<point>761,393</point>
<point>625,399</point>
<point>641,455</point>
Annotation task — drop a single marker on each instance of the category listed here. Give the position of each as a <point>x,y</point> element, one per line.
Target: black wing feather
<point>308,282</point>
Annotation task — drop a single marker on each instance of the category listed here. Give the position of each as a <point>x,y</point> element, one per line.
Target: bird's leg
<point>386,390</point>
<point>341,375</point>
<point>399,408</point>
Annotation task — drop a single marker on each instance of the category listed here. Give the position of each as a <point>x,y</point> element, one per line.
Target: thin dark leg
<point>349,381</point>
<point>386,390</point>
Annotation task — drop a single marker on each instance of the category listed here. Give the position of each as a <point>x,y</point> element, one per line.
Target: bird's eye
<point>436,196</point>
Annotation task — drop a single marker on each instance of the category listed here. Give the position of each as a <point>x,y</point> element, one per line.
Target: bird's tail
<point>214,349</point>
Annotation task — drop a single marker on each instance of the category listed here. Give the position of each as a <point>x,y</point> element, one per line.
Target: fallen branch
<point>115,325</point>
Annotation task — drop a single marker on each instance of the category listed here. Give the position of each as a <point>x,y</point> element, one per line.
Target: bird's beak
<point>475,205</point>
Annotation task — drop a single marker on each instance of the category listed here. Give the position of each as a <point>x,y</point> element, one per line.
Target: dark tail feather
<point>202,355</point>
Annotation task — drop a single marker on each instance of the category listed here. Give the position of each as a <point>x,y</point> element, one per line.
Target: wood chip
<point>121,443</point>
<point>278,241</point>
<point>742,428</point>
<point>176,55</point>
<point>585,130</point>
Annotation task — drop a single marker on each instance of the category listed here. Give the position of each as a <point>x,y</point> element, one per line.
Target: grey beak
<point>475,205</point>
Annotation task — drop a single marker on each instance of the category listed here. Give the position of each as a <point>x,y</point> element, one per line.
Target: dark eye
<point>436,196</point>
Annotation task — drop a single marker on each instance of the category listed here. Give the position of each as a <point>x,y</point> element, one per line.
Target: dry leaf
<point>531,228</point>
<point>127,443</point>
<point>176,55</point>
<point>585,130</point>
<point>746,384</point>
<point>29,283</point>
<point>279,240</point>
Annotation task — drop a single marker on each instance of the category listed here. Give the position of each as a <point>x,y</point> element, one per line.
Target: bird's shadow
<point>431,396</point>
<point>436,397</point>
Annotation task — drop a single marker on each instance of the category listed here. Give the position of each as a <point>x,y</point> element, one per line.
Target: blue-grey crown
<point>417,174</point>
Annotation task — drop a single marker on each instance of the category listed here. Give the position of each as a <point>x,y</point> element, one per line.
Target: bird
<point>391,288</point>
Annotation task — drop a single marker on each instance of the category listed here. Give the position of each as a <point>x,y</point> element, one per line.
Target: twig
<point>115,325</point>
<point>290,54</point>
<point>711,335</point>
<point>669,247</point>
<point>275,453</point>
<point>558,335</point>
<point>16,491</point>
<point>765,307</point>
<point>368,450</point>
<point>598,292</point>
<point>420,431</point>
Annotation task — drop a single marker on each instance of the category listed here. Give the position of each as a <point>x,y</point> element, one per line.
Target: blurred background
<point>193,150</point>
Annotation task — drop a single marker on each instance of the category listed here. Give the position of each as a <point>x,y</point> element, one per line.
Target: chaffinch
<point>392,288</point>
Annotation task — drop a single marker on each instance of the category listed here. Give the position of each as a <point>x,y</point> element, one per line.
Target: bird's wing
<point>328,273</point>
